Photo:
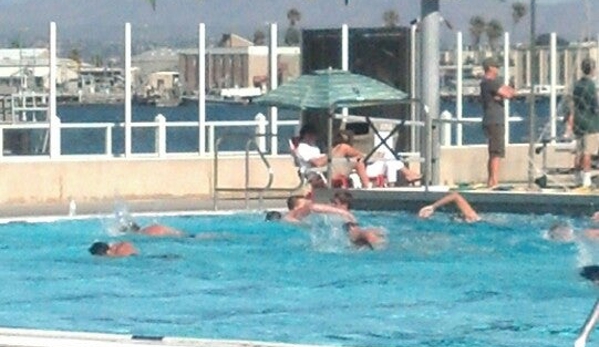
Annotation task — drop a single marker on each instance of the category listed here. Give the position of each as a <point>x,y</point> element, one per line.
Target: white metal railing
<point>160,126</point>
<point>448,121</point>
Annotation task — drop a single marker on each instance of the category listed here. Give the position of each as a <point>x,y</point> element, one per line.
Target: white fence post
<point>506,80</point>
<point>127,89</point>
<point>260,131</point>
<point>446,128</point>
<point>161,135</point>
<point>553,91</point>
<point>274,71</point>
<point>54,126</point>
<point>202,88</point>
<point>459,88</point>
<point>108,144</point>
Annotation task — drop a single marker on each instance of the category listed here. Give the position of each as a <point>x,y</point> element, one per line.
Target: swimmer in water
<point>151,230</point>
<point>590,273</point>
<point>364,237</point>
<point>467,213</point>
<point>300,207</point>
<point>563,232</point>
<point>113,250</point>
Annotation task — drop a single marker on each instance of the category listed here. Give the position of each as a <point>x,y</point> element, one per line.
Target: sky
<point>103,20</point>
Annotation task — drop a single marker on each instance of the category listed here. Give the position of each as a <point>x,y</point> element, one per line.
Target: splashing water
<point>122,219</point>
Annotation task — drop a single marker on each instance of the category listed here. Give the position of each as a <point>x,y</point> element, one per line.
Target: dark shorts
<point>495,134</point>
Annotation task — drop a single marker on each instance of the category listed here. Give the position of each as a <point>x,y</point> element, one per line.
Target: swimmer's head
<point>129,227</point>
<point>99,248</point>
<point>273,216</point>
<point>591,273</point>
<point>296,201</point>
<point>349,225</point>
<point>561,232</point>
<point>342,199</point>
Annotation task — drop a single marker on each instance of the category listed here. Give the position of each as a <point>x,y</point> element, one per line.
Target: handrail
<point>246,189</point>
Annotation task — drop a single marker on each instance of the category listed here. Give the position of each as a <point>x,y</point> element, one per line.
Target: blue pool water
<point>437,283</point>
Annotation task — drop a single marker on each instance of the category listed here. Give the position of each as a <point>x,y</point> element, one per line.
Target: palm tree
<point>519,10</point>
<point>75,56</point>
<point>294,16</point>
<point>494,31</point>
<point>153,3</point>
<point>293,35</point>
<point>16,43</point>
<point>477,28</point>
<point>259,38</point>
<point>390,18</point>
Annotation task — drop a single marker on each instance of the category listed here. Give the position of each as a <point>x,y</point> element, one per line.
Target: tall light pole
<point>531,98</point>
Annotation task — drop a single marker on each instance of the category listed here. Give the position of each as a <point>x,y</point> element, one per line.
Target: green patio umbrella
<point>330,90</point>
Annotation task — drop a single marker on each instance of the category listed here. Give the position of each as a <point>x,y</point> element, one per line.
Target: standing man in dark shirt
<point>492,94</point>
<point>586,119</point>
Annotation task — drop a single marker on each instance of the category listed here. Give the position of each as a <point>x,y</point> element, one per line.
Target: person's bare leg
<point>588,326</point>
<point>409,175</point>
<point>361,171</point>
<point>586,170</point>
<point>493,171</point>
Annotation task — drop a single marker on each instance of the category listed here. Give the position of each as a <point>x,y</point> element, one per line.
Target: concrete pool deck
<point>517,200</point>
<point>52,338</point>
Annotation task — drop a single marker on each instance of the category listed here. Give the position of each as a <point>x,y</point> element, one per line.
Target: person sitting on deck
<point>310,156</point>
<point>114,250</point>
<point>467,213</point>
<point>386,166</point>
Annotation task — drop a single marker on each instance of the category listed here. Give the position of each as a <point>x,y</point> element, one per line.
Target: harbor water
<point>185,139</point>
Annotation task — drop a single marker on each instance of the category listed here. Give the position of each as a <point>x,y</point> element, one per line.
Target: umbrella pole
<point>330,149</point>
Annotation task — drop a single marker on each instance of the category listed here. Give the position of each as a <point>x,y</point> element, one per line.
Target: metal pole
<point>506,81</point>
<point>553,91</point>
<point>202,88</point>
<point>344,65</point>
<point>459,87</point>
<point>273,85</point>
<point>127,89</point>
<point>531,98</point>
<point>413,65</point>
<point>430,80</point>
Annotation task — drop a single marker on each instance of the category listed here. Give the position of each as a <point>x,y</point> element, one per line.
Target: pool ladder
<point>247,189</point>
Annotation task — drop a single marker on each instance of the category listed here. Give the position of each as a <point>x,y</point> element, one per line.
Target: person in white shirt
<point>310,156</point>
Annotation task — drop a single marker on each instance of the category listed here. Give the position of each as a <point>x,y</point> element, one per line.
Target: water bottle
<point>72,207</point>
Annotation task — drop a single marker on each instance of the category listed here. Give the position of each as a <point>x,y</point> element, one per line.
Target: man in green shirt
<point>586,119</point>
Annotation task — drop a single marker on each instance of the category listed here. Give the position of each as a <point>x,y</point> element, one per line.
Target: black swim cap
<point>99,248</point>
<point>273,215</point>
<point>590,272</point>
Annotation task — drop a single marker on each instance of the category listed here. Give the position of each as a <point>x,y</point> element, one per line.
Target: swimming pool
<point>438,282</point>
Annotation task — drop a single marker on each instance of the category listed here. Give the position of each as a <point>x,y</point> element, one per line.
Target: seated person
<point>114,250</point>
<point>359,237</point>
<point>386,166</point>
<point>310,156</point>
<point>466,211</point>
<point>300,207</point>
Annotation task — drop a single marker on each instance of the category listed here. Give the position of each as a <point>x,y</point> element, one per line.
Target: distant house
<point>236,63</point>
<point>29,69</point>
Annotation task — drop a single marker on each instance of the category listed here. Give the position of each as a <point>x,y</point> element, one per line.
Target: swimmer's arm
<point>592,234</point>
<point>322,208</point>
<point>462,204</point>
